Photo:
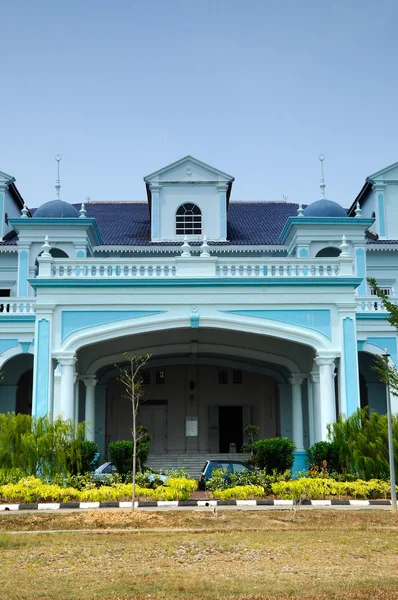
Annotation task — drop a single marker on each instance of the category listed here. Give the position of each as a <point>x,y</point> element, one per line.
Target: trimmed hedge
<point>321,488</point>
<point>274,454</point>
<point>32,489</point>
<point>240,492</point>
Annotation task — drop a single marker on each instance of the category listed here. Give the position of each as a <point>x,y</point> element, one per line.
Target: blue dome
<point>56,209</point>
<point>324,208</point>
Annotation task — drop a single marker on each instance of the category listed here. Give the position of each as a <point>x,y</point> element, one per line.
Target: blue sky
<point>256,88</point>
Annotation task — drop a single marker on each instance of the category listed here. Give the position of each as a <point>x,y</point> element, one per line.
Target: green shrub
<point>324,451</point>
<point>12,475</point>
<point>274,454</point>
<point>121,455</point>
<point>83,459</point>
<point>363,444</point>
<point>320,488</point>
<point>121,452</point>
<point>39,445</point>
<point>32,489</point>
<point>242,492</point>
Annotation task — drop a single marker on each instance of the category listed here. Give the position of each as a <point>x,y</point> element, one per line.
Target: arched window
<point>328,252</point>
<point>188,220</point>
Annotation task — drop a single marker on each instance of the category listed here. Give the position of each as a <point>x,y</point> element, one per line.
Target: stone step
<point>193,463</point>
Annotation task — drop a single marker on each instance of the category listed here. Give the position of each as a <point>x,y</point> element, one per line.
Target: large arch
<point>276,329</point>
<point>270,366</point>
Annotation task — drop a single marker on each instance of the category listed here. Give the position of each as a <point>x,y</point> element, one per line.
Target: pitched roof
<point>248,223</point>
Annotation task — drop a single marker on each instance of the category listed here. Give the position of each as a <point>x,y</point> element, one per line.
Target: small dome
<point>324,208</point>
<point>56,209</point>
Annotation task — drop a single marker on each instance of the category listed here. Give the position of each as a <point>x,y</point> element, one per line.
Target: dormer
<point>11,203</point>
<point>379,199</point>
<point>188,198</point>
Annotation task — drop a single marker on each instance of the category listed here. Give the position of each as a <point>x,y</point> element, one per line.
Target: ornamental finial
<point>344,247</point>
<point>82,212</point>
<point>358,211</point>
<point>58,158</point>
<point>186,248</point>
<point>300,211</point>
<point>322,184</point>
<point>24,212</point>
<point>204,249</point>
<point>46,248</point>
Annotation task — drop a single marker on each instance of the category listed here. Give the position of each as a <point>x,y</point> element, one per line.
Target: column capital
<point>321,361</point>
<point>89,380</point>
<point>315,376</point>
<point>296,378</point>
<point>66,360</point>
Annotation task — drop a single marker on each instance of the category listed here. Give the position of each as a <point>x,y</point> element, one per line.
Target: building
<point>253,313</point>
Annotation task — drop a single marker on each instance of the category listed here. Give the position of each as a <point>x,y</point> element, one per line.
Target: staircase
<point>192,463</point>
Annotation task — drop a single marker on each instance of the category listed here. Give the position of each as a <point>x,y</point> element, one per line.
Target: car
<point>227,466</point>
<point>109,469</point>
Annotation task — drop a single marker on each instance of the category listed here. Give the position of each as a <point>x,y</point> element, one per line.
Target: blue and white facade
<point>253,313</point>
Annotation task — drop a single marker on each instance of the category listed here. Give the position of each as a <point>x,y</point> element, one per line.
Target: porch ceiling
<point>250,348</point>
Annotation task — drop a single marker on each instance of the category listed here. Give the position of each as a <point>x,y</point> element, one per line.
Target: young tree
<point>388,372</point>
<point>131,379</point>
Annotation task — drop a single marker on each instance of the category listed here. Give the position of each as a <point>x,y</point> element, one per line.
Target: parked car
<point>227,466</point>
<point>109,469</point>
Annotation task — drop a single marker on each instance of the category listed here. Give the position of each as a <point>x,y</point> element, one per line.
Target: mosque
<point>254,313</point>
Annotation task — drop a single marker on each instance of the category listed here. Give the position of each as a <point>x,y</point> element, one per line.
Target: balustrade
<point>111,268</point>
<point>17,306</point>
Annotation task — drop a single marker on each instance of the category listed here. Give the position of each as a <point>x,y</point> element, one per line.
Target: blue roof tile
<point>249,223</point>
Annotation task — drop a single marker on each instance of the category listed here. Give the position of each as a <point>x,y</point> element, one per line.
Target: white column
<point>90,382</point>
<point>394,403</point>
<point>67,387</point>
<point>310,412</point>
<point>57,392</point>
<point>297,410</point>
<point>327,403</point>
<point>316,400</point>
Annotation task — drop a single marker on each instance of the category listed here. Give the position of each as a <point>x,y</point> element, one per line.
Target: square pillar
<point>42,366</point>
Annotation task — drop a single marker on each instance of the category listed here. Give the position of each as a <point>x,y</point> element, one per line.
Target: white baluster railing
<point>17,306</point>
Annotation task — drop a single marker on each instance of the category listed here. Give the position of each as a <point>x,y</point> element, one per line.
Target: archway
<point>373,391</point>
<point>195,377</point>
<point>16,384</point>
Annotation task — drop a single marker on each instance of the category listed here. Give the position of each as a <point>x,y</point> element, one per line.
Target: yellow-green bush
<point>324,488</point>
<point>240,492</point>
<point>182,483</point>
<point>32,490</point>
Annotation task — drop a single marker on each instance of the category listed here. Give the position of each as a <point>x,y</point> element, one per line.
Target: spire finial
<point>186,248</point>
<point>300,211</point>
<point>58,158</point>
<point>358,210</point>
<point>322,185</point>
<point>204,249</point>
<point>344,247</point>
<point>82,211</point>
<point>24,212</point>
<point>46,248</point>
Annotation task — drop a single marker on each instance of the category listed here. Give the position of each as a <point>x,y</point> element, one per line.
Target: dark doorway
<point>230,427</point>
<point>24,393</point>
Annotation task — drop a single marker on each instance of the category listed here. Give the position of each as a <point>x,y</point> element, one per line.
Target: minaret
<point>322,184</point>
<point>58,158</point>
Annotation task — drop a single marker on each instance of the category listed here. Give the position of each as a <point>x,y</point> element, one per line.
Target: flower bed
<point>32,489</point>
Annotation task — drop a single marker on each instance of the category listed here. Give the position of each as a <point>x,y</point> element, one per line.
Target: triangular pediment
<point>188,169</point>
<point>4,178</point>
<point>390,173</point>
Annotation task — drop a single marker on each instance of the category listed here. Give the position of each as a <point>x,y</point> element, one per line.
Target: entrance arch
<point>16,384</point>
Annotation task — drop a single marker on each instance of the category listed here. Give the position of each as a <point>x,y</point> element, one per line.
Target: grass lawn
<point>200,555</point>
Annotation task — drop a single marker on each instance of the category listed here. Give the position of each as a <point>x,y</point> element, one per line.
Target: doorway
<point>230,425</point>
<point>155,419</point>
